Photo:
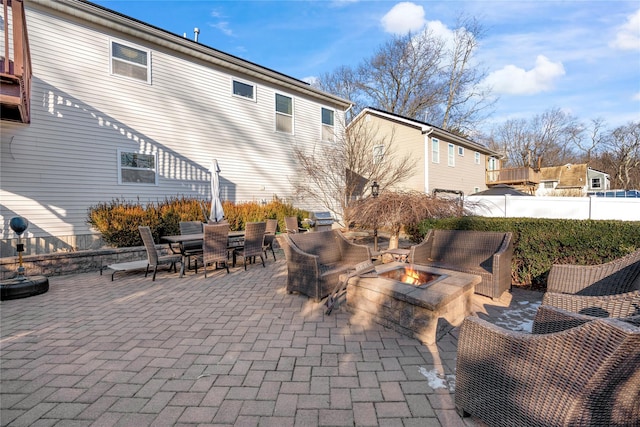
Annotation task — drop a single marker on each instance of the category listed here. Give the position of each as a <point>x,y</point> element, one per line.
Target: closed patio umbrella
<point>217,213</point>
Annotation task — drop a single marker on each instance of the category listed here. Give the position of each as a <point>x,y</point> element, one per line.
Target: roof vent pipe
<point>196,31</point>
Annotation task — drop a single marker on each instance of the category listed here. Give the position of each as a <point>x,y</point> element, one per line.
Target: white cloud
<point>628,35</point>
<point>312,80</point>
<point>221,25</point>
<point>513,80</point>
<point>403,18</point>
<point>636,96</point>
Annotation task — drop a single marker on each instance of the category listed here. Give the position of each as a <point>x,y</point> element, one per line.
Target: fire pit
<point>415,300</point>
<point>411,276</point>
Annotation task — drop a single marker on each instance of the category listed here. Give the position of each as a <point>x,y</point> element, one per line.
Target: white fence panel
<point>555,207</point>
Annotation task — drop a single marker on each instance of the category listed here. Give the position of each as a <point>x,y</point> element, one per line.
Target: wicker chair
<point>191,249</point>
<point>550,319</point>
<point>291,224</point>
<point>605,290</point>
<point>485,253</point>
<point>153,258</point>
<point>316,260</point>
<point>269,237</point>
<point>253,238</point>
<point>214,246</point>
<point>588,375</point>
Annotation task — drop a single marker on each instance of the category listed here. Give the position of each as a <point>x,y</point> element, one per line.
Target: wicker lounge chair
<point>588,375</point>
<point>316,260</point>
<point>550,319</point>
<point>253,238</point>
<point>485,253</point>
<point>605,290</point>
<point>154,259</point>
<point>214,246</point>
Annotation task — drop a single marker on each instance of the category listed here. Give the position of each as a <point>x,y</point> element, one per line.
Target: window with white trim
<point>435,150</point>
<point>244,90</point>
<point>451,154</point>
<point>328,130</point>
<point>129,61</point>
<point>596,183</point>
<point>137,168</point>
<point>461,151</point>
<point>378,154</point>
<point>284,113</point>
<point>477,158</point>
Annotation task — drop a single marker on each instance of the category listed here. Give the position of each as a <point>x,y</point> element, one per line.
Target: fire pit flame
<point>410,276</point>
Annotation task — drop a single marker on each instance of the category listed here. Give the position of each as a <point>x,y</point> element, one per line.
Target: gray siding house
<point>122,109</point>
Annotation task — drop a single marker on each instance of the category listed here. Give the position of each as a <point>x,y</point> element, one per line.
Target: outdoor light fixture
<point>375,189</point>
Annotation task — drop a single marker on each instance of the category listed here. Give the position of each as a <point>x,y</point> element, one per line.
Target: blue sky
<point>580,56</point>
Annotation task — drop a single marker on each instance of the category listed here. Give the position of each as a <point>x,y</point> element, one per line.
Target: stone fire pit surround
<point>422,312</point>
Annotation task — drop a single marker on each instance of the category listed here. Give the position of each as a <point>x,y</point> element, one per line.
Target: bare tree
<point>396,209</point>
<point>594,140</point>
<point>623,156</point>
<point>336,175</point>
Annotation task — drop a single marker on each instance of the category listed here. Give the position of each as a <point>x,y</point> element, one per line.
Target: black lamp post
<point>375,191</point>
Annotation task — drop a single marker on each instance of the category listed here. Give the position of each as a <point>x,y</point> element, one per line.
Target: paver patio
<point>226,350</point>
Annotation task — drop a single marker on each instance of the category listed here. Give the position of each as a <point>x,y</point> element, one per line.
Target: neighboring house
<point>122,109</point>
<point>445,161</point>
<point>571,180</point>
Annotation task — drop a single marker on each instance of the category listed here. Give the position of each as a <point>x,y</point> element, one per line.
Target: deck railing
<point>524,175</point>
<point>15,63</point>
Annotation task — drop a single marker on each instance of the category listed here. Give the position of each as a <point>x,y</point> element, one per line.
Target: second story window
<point>378,154</point>
<point>284,113</point>
<point>130,62</point>
<point>328,133</point>
<point>596,183</point>
<point>477,158</point>
<point>451,155</point>
<point>461,151</point>
<point>435,150</point>
<point>244,90</point>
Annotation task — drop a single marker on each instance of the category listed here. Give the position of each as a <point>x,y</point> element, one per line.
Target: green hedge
<point>117,221</point>
<point>540,243</point>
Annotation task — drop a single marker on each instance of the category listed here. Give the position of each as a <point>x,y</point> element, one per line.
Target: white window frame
<point>121,168</point>
<point>292,115</point>
<point>477,158</point>
<point>378,154</point>
<point>328,131</point>
<point>460,151</point>
<point>593,183</point>
<point>451,155</point>
<point>134,47</point>
<point>435,150</point>
<point>253,96</point>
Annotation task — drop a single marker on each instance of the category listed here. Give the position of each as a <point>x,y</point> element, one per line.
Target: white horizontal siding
<point>65,161</point>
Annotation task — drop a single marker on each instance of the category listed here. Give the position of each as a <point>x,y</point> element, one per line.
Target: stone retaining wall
<point>69,262</point>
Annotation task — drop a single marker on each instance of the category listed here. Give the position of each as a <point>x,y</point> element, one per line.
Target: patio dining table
<point>176,243</point>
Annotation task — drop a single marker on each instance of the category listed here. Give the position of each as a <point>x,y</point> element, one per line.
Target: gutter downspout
<point>426,131</point>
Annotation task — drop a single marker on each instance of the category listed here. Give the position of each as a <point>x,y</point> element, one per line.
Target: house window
<point>548,184</point>
<point>596,183</point>
<point>284,113</point>
<point>435,150</point>
<point>477,158</point>
<point>378,154</point>
<point>476,189</point>
<point>451,151</point>
<point>461,151</point>
<point>137,168</point>
<point>130,62</point>
<point>327,125</point>
<point>244,90</point>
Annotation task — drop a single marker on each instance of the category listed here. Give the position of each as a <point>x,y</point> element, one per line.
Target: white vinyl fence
<point>624,209</point>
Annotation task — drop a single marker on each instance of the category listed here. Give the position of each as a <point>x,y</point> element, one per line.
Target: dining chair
<point>253,239</point>
<point>214,246</point>
<point>154,259</point>
<point>191,249</point>
<point>291,224</point>
<point>269,237</point>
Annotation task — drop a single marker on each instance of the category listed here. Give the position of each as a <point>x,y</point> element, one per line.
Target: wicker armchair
<point>588,375</point>
<point>214,246</point>
<point>485,253</point>
<point>191,249</point>
<point>550,319</point>
<point>291,224</point>
<point>605,290</point>
<point>153,258</point>
<point>269,237</point>
<point>316,260</point>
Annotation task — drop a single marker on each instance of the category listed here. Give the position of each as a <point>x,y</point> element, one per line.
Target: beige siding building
<point>445,161</point>
<point>121,109</point>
